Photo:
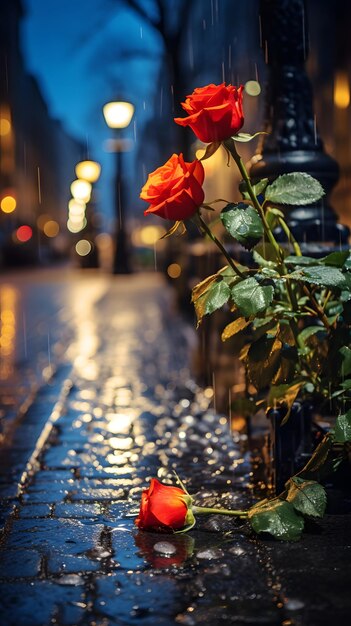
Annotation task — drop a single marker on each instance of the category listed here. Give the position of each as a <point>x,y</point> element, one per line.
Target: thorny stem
<point>208,232</point>
<point>230,145</point>
<point>322,316</point>
<point>204,510</point>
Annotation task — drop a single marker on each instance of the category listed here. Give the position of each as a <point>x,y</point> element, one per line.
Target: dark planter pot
<point>291,444</point>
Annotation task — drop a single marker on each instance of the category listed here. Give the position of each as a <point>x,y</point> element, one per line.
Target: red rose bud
<point>215,112</point>
<point>174,190</point>
<point>164,507</point>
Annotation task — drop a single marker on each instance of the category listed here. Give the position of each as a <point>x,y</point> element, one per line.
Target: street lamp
<point>88,170</point>
<point>118,115</point>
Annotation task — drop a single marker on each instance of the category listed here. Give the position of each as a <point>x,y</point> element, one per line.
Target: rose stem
<point>204,510</point>
<point>230,145</point>
<point>208,231</point>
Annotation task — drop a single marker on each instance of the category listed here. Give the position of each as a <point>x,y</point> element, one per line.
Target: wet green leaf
<point>307,497</point>
<point>321,275</point>
<point>243,223</point>
<point>278,518</point>
<point>283,396</point>
<point>217,294</point>
<point>296,188</point>
<point>342,431</point>
<point>335,259</point>
<point>307,332</point>
<point>250,297</point>
<point>345,352</point>
<point>263,360</point>
<point>234,327</point>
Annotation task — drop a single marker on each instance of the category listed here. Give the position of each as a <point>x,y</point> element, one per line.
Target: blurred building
<point>37,158</point>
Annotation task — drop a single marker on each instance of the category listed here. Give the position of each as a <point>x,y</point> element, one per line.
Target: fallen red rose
<point>163,507</point>
<point>215,112</point>
<point>174,190</point>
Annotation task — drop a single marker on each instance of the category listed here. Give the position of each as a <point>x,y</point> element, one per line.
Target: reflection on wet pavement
<point>129,410</point>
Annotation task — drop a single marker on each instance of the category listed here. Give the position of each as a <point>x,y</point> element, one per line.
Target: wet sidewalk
<point>121,408</point>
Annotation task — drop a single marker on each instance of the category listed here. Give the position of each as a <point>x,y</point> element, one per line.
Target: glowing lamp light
<point>24,233</point>
<point>5,126</point>
<point>88,170</point>
<point>76,227</point>
<point>83,247</point>
<point>118,114</point>
<point>76,207</point>
<point>341,90</point>
<point>8,204</point>
<point>81,190</point>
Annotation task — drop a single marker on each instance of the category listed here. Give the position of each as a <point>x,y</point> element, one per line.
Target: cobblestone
<point>128,410</point>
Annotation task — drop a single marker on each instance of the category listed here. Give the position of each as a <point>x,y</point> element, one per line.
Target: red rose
<point>163,507</point>
<point>174,190</point>
<point>215,112</point>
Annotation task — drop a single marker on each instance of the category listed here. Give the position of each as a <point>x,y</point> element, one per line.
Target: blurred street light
<point>88,170</point>
<point>81,190</point>
<point>118,115</point>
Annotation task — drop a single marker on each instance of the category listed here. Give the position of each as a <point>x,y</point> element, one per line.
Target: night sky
<point>85,53</point>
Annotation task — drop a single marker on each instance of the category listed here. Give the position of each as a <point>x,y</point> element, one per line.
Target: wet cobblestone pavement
<point>121,408</point>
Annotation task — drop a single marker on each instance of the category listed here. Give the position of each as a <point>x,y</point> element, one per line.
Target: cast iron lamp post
<point>118,115</point>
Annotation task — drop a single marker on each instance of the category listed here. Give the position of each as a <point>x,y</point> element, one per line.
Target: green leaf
<point>212,299</point>
<point>335,259</point>
<point>263,360</point>
<point>296,188</point>
<point>345,352</point>
<point>318,458</point>
<point>307,497</point>
<point>250,297</point>
<point>278,518</point>
<point>283,395</point>
<point>243,223</point>
<point>234,327</point>
<point>202,287</point>
<point>342,431</point>
<point>322,275</point>
<point>245,137</point>
<point>300,260</point>
<point>306,333</point>
<point>257,188</point>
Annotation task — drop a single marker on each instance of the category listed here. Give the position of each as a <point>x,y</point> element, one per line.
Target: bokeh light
<point>174,270</point>
<point>89,170</point>
<point>81,190</point>
<point>51,228</point>
<point>24,233</point>
<point>253,88</point>
<point>341,90</point>
<point>76,227</point>
<point>8,204</point>
<point>5,127</point>
<point>83,247</point>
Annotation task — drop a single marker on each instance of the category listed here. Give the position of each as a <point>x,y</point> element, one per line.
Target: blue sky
<point>79,50</point>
